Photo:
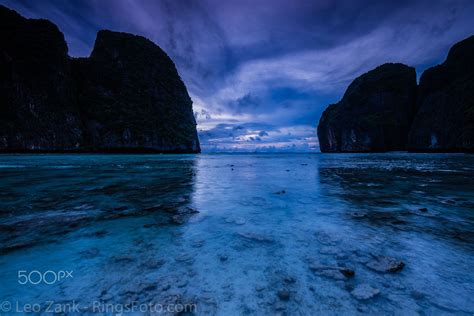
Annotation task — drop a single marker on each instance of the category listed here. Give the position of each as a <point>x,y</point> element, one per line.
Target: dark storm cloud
<point>246,103</point>
<point>234,131</point>
<point>261,72</point>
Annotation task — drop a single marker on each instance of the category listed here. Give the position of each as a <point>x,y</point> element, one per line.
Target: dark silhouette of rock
<point>445,106</point>
<point>374,114</point>
<point>383,110</point>
<point>126,97</point>
<point>38,110</point>
<point>132,97</point>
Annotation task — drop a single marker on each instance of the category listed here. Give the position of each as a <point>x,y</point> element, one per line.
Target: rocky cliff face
<point>127,96</point>
<point>374,114</point>
<point>37,98</point>
<point>384,110</point>
<point>132,97</point>
<point>445,107</point>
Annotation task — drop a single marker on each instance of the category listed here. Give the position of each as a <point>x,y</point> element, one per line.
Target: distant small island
<point>385,110</point>
<point>126,97</point>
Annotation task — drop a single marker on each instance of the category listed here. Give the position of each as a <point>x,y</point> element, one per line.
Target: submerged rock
<point>255,237</point>
<point>99,233</point>
<point>445,107</point>
<point>364,292</point>
<point>283,295</point>
<point>183,214</point>
<point>181,283</point>
<point>417,295</point>
<point>90,253</point>
<point>145,287</point>
<point>347,272</point>
<point>223,258</point>
<point>329,250</point>
<point>333,272</point>
<point>386,264</point>
<point>198,243</point>
<point>260,287</point>
<point>330,274</point>
<point>289,279</point>
<point>153,263</point>
<point>358,214</point>
<point>237,220</point>
<point>123,259</point>
<point>328,239</point>
<point>374,114</point>
<point>240,221</point>
<point>186,258</point>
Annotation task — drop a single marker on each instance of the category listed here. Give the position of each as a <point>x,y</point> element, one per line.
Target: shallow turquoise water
<point>264,222</point>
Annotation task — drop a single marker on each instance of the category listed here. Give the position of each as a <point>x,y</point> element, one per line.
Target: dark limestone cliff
<point>445,106</point>
<point>126,97</point>
<point>131,96</point>
<point>38,110</point>
<point>384,110</point>
<point>374,114</point>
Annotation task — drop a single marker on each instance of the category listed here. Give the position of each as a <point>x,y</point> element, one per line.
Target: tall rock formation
<point>374,114</point>
<point>445,107</point>
<point>131,96</point>
<point>126,97</point>
<point>38,109</point>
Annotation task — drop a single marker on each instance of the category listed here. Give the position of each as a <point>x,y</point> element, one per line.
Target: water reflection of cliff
<point>404,193</point>
<point>43,199</point>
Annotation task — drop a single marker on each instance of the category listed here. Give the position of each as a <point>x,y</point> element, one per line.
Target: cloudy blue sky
<point>260,73</point>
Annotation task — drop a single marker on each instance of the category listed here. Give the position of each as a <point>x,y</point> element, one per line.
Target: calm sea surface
<point>271,237</point>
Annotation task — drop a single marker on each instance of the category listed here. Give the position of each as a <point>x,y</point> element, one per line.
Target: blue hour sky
<point>260,73</point>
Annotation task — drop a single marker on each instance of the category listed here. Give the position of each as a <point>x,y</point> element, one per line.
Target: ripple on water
<point>350,234</point>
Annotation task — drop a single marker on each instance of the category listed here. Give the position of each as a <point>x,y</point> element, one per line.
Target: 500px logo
<point>48,277</point>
